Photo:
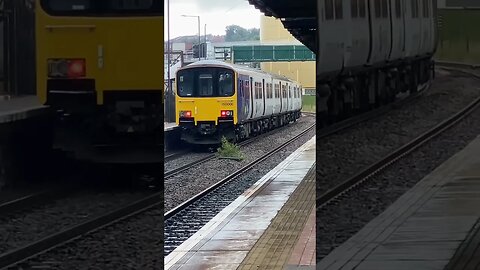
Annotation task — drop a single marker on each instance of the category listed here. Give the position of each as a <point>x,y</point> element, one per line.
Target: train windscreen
<point>205,82</point>
<point>103,7</point>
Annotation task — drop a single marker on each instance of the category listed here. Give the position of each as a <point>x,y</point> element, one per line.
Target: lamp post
<point>169,92</point>
<point>199,34</point>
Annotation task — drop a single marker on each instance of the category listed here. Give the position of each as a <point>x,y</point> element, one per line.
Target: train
<point>216,100</point>
<point>97,67</point>
<point>371,50</point>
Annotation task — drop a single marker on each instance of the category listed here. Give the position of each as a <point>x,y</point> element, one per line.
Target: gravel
<point>344,155</point>
<point>181,187</point>
<point>24,227</point>
<point>135,243</point>
<point>352,150</point>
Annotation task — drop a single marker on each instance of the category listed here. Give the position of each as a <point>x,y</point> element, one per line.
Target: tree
<point>238,33</point>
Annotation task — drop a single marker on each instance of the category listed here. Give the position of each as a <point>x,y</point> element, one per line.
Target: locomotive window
<point>361,5</point>
<point>103,8</point>
<point>378,6</point>
<point>385,8</point>
<point>398,9</point>
<point>206,82</point>
<point>329,9</point>
<point>225,84</point>
<point>338,9</point>
<point>354,7</point>
<point>205,85</point>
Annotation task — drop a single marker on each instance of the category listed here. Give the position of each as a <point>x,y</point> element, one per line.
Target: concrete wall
<point>273,32</point>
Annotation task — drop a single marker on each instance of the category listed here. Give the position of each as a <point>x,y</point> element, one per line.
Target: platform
<point>270,226</point>
<point>424,228</point>
<point>20,108</point>
<point>169,126</point>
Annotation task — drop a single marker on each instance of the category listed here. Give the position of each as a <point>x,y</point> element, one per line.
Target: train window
<point>102,8</point>
<point>338,9</point>
<point>378,7</point>
<point>361,8</point>
<point>354,7</point>
<point>385,8</point>
<point>277,91</point>
<point>206,82</point>
<point>205,85</point>
<point>398,9</point>
<point>329,9</point>
<point>225,84</point>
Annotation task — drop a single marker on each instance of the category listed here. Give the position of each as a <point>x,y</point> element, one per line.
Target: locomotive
<point>216,99</point>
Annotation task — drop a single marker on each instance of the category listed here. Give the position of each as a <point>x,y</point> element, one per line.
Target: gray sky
<point>217,14</point>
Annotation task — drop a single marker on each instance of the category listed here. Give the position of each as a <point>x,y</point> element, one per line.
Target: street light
<point>199,34</point>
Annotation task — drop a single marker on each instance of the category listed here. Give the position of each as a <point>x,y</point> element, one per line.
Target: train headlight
<point>186,114</point>
<point>66,68</point>
<point>226,113</point>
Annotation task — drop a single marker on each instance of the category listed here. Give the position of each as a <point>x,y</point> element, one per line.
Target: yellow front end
<point>206,117</point>
<point>206,109</point>
<point>103,59</point>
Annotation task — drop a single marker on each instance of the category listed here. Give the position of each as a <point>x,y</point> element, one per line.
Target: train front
<point>100,66</point>
<point>206,103</point>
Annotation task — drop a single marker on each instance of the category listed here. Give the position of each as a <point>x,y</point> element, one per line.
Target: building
<point>273,32</point>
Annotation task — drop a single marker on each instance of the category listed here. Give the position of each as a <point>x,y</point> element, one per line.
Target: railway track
<point>178,230</point>
<point>362,177</point>
<point>17,256</point>
<point>209,157</point>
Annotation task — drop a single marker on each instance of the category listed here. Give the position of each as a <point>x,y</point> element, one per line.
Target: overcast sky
<point>217,14</point>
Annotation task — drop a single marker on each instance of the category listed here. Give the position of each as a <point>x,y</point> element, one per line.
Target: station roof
<point>298,17</point>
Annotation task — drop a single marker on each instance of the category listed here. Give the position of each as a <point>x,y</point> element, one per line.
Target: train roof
<point>217,63</point>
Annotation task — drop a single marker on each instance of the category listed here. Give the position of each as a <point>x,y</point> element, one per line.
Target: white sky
<point>217,14</point>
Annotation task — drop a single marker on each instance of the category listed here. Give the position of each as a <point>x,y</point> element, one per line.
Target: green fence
<point>459,35</point>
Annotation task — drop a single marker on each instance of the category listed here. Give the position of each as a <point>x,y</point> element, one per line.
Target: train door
<point>264,97</point>
<point>280,96</point>
<point>252,113</point>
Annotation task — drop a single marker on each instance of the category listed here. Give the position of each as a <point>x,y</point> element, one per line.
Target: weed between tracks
<point>230,151</point>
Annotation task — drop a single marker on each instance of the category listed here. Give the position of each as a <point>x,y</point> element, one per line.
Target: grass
<point>230,150</point>
<point>309,103</point>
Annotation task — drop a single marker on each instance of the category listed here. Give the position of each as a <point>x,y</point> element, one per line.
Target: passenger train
<point>216,99</point>
<point>98,63</point>
<point>370,50</point>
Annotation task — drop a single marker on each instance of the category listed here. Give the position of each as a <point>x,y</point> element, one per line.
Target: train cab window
<point>378,7</point>
<point>205,82</point>
<point>361,9</point>
<point>225,84</point>
<point>205,85</point>
<point>354,8</point>
<point>398,9</point>
<point>338,9</point>
<point>102,8</point>
<point>385,8</point>
<point>328,9</point>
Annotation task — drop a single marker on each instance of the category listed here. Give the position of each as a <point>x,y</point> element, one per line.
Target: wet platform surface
<point>20,108</point>
<point>424,228</point>
<point>246,229</point>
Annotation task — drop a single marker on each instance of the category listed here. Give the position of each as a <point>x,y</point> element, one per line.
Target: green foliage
<point>238,33</point>
<point>229,150</point>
